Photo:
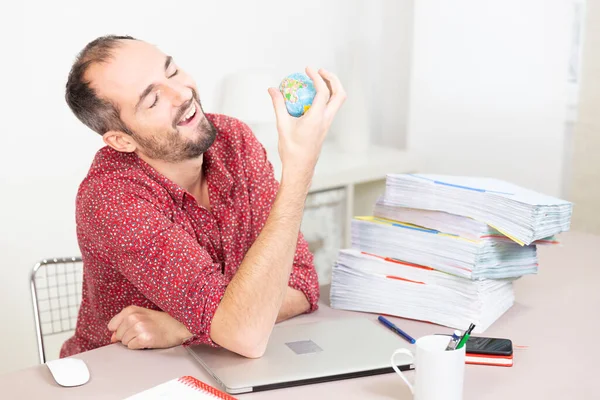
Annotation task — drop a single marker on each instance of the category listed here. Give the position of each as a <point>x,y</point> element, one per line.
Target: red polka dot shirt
<point>145,241</point>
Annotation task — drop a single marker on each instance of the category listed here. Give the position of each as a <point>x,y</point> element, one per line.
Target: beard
<point>172,147</point>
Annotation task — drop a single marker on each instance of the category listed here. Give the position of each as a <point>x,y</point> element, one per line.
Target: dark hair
<point>101,115</point>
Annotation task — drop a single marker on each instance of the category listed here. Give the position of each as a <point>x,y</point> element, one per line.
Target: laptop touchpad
<point>304,347</point>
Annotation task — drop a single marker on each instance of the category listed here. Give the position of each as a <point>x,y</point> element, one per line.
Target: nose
<point>179,93</point>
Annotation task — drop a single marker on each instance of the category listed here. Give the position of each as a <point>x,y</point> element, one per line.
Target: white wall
<point>45,151</point>
<point>585,187</point>
<point>488,89</point>
<point>390,93</point>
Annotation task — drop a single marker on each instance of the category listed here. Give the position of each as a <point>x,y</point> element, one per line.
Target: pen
<point>453,341</point>
<point>465,337</point>
<point>396,329</point>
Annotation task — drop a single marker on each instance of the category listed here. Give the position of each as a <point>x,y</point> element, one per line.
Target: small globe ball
<point>298,92</point>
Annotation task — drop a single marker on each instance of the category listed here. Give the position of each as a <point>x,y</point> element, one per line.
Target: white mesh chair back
<point>56,295</point>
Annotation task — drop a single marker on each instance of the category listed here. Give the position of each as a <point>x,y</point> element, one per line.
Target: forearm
<point>294,303</point>
<point>252,302</point>
<point>138,327</point>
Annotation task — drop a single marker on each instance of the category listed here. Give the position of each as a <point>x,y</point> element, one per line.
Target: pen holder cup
<point>439,374</point>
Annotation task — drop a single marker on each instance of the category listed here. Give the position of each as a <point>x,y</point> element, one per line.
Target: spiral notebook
<point>184,388</point>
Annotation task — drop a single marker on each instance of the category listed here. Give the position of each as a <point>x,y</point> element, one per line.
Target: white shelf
<point>336,168</point>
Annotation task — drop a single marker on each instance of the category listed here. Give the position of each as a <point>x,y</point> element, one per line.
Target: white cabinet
<point>324,229</point>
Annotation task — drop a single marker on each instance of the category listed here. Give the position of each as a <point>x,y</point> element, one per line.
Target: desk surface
<point>555,314</point>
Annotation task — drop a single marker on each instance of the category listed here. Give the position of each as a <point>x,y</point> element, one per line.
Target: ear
<point>120,141</point>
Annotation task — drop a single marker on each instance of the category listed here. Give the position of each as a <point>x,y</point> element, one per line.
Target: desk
<point>557,307</point>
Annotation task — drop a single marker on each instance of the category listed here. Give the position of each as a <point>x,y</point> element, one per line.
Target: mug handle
<point>408,353</point>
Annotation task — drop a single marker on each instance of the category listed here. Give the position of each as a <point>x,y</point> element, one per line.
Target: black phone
<point>491,346</point>
<point>487,345</point>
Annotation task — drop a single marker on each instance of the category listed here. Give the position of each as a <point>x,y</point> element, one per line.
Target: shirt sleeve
<point>164,262</point>
<point>263,189</point>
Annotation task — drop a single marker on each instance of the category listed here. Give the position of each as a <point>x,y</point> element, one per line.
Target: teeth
<point>189,113</point>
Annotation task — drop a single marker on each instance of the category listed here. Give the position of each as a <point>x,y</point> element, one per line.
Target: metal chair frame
<point>63,298</point>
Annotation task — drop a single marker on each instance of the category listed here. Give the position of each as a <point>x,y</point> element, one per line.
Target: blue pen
<point>394,328</point>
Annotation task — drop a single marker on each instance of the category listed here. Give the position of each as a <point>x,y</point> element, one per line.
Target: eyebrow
<point>168,62</point>
<point>145,93</point>
<point>151,86</point>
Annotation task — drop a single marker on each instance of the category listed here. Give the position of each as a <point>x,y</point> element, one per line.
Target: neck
<point>187,174</point>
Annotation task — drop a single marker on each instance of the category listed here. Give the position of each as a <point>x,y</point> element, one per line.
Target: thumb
<point>279,105</point>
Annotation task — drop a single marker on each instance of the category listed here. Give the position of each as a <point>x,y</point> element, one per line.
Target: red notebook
<point>184,388</point>
<point>487,359</point>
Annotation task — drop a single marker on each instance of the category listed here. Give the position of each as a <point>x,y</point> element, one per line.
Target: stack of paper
<point>467,258</point>
<point>445,249</point>
<point>364,282</point>
<point>465,227</point>
<point>521,214</point>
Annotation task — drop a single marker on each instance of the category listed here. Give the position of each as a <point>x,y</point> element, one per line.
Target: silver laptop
<point>300,354</point>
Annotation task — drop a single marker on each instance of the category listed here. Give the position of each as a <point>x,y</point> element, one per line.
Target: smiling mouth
<point>189,116</point>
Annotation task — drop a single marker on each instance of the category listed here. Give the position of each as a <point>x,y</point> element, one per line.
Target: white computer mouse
<point>69,371</point>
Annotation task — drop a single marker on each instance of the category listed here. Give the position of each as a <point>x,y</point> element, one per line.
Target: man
<point>186,236</point>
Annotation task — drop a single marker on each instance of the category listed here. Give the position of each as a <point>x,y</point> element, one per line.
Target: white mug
<point>439,374</point>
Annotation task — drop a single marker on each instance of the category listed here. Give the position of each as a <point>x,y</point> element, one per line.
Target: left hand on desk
<point>141,328</point>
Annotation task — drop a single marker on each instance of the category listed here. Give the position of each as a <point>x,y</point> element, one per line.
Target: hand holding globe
<point>301,139</point>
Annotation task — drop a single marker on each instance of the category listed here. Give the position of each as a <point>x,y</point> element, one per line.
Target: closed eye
<point>155,100</point>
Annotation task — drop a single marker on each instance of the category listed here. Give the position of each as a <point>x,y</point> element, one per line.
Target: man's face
<point>157,100</point>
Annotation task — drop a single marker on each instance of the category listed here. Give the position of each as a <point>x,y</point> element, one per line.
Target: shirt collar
<point>176,191</point>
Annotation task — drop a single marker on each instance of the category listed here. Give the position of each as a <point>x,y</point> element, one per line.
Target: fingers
<point>338,94</point>
<point>322,96</point>
<point>126,325</point>
<point>332,81</point>
<point>120,317</point>
<point>123,321</point>
<point>130,334</point>
<point>137,343</point>
<point>279,105</point>
<point>115,321</point>
<point>136,338</point>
